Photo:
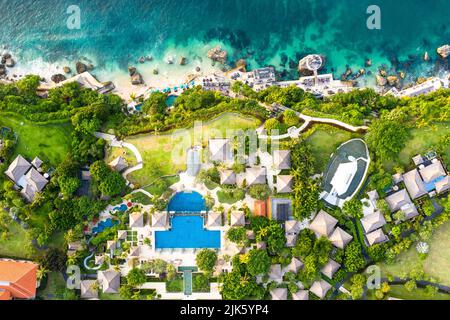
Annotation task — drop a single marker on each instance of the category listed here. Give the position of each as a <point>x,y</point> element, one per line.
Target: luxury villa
<point>28,176</point>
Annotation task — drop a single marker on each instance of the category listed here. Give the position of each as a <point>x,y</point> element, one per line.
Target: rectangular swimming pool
<point>187,232</point>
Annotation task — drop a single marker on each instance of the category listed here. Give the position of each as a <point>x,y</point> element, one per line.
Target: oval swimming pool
<point>188,202</point>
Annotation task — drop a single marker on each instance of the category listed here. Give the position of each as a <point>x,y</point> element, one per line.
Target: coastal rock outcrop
<point>57,78</point>
<point>67,70</point>
<point>136,77</point>
<point>310,63</point>
<point>183,61</point>
<point>217,54</point>
<point>444,51</point>
<point>81,67</point>
<point>8,60</point>
<point>381,81</point>
<point>241,63</point>
<point>392,80</point>
<point>2,69</point>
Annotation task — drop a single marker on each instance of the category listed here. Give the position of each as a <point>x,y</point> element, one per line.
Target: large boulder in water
<point>81,67</point>
<point>57,78</point>
<point>2,70</point>
<point>218,54</point>
<point>444,51</point>
<point>381,81</point>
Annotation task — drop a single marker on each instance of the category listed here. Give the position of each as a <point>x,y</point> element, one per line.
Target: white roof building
<point>443,185</point>
<point>219,150</point>
<point>291,240</point>
<point>237,219</point>
<point>401,201</point>
<point>279,294</point>
<point>320,288</point>
<point>109,281</point>
<point>292,226</point>
<point>414,184</point>
<point>376,237</point>
<point>88,289</point>
<point>256,176</point>
<point>301,295</point>
<point>344,176</point>
<point>294,266</point>
<point>373,221</point>
<point>432,172</point>
<point>282,159</point>
<point>340,238</point>
<point>214,220</point>
<point>119,164</point>
<point>227,177</point>
<point>330,268</point>
<point>136,220</point>
<point>284,184</point>
<point>275,273</point>
<point>160,220</point>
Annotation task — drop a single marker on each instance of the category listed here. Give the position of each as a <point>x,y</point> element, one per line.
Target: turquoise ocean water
<point>115,33</point>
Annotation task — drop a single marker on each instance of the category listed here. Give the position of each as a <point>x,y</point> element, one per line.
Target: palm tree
<point>41,272</point>
<point>72,260</point>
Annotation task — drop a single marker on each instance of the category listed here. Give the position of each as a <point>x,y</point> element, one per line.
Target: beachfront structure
<point>373,221</point>
<point>414,184</point>
<point>109,281</point>
<point>339,238</point>
<point>237,219</point>
<point>136,220</point>
<point>220,150</point>
<point>119,164</point>
<point>160,220</point>
<point>282,159</point>
<point>88,289</point>
<point>376,237</point>
<point>279,294</point>
<point>345,173</point>
<point>430,85</point>
<point>85,80</point>
<point>330,269</point>
<point>401,201</point>
<point>18,279</point>
<point>301,295</point>
<point>284,184</point>
<point>323,224</point>
<point>27,177</point>
<point>214,220</point>
<point>320,288</point>
<point>227,177</point>
<point>255,176</point>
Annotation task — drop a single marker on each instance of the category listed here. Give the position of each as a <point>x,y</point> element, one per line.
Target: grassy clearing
<point>437,263</point>
<point>14,246</point>
<point>113,153</point>
<point>50,142</point>
<point>324,142</point>
<point>400,292</point>
<point>166,154</point>
<point>55,287</point>
<point>421,140</point>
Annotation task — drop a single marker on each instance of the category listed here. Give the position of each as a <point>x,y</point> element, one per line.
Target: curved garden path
<point>121,144</point>
<point>295,132</point>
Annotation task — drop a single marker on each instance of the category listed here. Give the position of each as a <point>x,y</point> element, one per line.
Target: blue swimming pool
<point>187,232</point>
<point>170,101</point>
<point>432,185</point>
<point>121,208</point>
<point>187,202</point>
<point>103,225</point>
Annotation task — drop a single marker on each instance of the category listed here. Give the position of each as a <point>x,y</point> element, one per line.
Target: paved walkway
<point>120,144</point>
<point>295,132</point>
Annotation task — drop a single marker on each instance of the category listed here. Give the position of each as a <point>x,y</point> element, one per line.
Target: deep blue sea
<point>115,33</point>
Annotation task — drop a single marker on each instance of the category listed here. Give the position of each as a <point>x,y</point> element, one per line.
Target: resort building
<point>160,220</point>
<point>284,184</point>
<point>301,295</point>
<point>88,289</point>
<point>99,260</point>
<point>279,294</point>
<point>292,227</point>
<point>27,177</point>
<point>220,150</point>
<point>330,269</point>
<point>432,172</point>
<point>320,288</point>
<point>431,85</point>
<point>119,164</point>
<point>122,235</point>
<point>276,274</point>
<point>85,80</point>
<point>18,279</point>
<point>280,209</point>
<point>443,185</point>
<point>136,220</point>
<point>214,220</point>
<point>373,221</point>
<point>401,201</point>
<point>376,237</point>
<point>291,240</point>
<point>227,177</point>
<point>282,159</point>
<point>260,208</point>
<point>255,176</point>
<point>237,219</point>
<point>346,173</point>
<point>339,238</point>
<point>323,224</point>
<point>294,266</point>
<point>109,281</point>
<point>414,184</point>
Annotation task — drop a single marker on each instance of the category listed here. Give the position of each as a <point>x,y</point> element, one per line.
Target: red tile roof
<point>260,209</point>
<point>18,278</point>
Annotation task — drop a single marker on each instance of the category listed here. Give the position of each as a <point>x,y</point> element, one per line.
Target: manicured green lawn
<point>420,142</point>
<point>50,142</point>
<point>437,263</point>
<point>324,142</point>
<point>175,285</point>
<point>400,292</point>
<point>55,287</point>
<point>141,198</point>
<point>14,246</point>
<point>109,296</point>
<point>166,154</point>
